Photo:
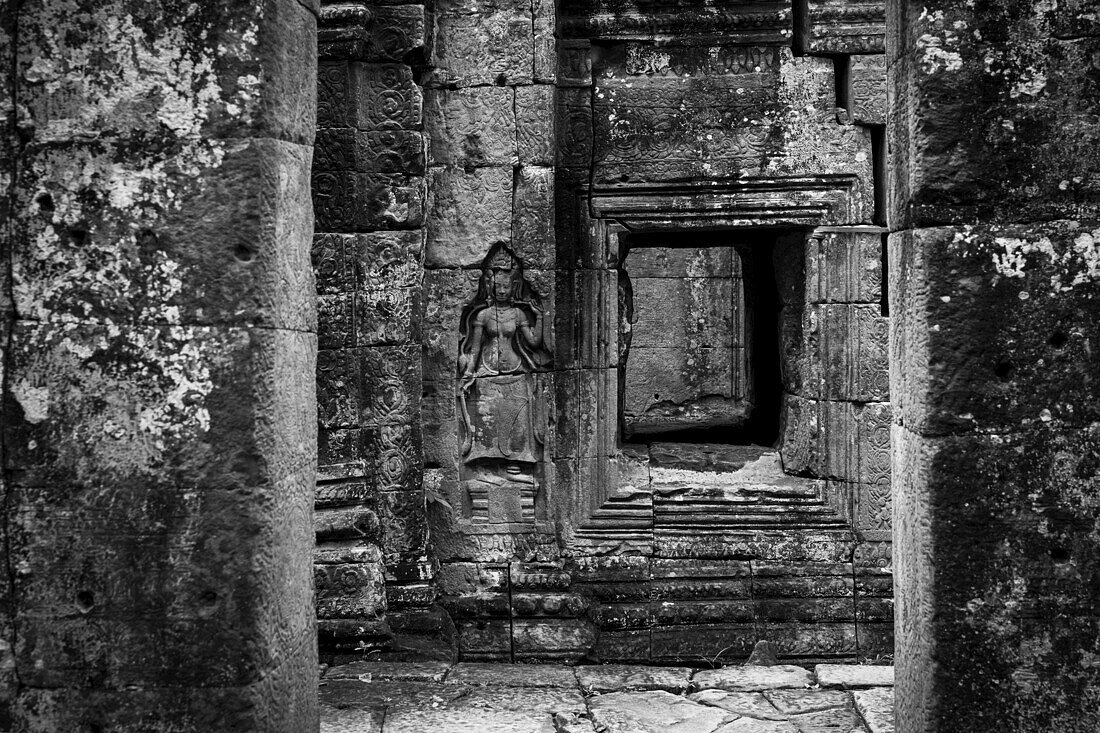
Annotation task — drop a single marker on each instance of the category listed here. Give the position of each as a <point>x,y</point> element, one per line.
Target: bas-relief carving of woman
<point>501,350</point>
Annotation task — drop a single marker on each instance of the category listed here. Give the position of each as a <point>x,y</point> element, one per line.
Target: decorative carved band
<point>802,200</point>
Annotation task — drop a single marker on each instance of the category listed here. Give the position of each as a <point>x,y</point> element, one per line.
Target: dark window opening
<point>701,334</point>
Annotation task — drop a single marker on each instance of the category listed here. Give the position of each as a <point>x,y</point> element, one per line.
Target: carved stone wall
<point>158,334</point>
<point>369,198</point>
<point>547,149</point>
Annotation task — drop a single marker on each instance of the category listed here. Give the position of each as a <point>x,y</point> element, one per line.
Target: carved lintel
<point>768,22</point>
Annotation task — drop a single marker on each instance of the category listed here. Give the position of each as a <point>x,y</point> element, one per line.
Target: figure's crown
<point>501,260</point>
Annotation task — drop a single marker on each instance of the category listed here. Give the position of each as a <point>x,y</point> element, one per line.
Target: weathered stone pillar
<point>995,305</point>
<point>158,426</point>
<point>368,190</point>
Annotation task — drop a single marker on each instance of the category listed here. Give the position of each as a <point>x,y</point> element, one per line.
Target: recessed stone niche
<point>702,333</point>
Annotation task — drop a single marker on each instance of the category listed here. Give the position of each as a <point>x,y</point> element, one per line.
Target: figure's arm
<point>532,334</point>
<point>467,361</point>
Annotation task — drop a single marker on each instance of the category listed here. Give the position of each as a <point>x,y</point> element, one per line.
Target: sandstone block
<point>702,644</point>
<point>621,712</point>
<point>752,679</point>
<point>384,151</point>
<point>279,47</point>
<point>799,702</point>
<point>356,524</point>
<point>381,259</point>
<point>344,493</point>
<point>574,62</point>
<point>876,705</point>
<point>388,32</point>
<point>191,263</point>
<point>330,263</point>
<point>401,514</point>
<point>841,26</point>
<point>545,57</point>
<point>471,127</point>
<point>842,440</point>
<point>446,292</point>
<point>344,201</point>
<point>391,454</point>
<point>369,671</point>
<point>484,640</point>
<point>335,321</point>
<point>383,97</point>
<point>533,218</point>
<point>846,353</point>
<point>979,133</point>
<point>996,321</point>
<point>867,93</point>
<point>339,383</point>
<point>573,125</point>
<point>844,266</point>
<point>559,639</point>
<point>746,704</point>
<point>339,451</point>
<point>467,214</point>
<point>430,707</point>
<point>959,503</point>
<point>486,48</point>
<point>349,590</point>
<point>620,677</point>
<point>385,316</point>
<point>333,90</point>
<point>390,383</point>
<point>535,124</point>
<point>854,675</point>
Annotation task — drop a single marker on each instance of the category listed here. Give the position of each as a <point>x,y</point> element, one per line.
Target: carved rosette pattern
<point>367,178</point>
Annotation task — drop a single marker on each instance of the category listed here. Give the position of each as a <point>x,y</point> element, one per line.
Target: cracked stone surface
<point>402,671</point>
<point>753,725</point>
<point>623,677</point>
<point>657,710</point>
<point>750,704</point>
<point>854,675</point>
<point>796,702</point>
<point>876,705</point>
<point>490,674</point>
<point>753,679</point>
<point>417,697</point>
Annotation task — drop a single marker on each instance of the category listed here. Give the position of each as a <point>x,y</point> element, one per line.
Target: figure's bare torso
<point>500,323</point>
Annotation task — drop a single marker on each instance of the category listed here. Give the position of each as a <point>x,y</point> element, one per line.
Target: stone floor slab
<point>837,720</point>
<point>629,677</point>
<point>754,725</point>
<point>573,723</point>
<point>653,712</point>
<point>493,674</point>
<point>463,709</point>
<point>390,671</point>
<point>876,705</point>
<point>351,720</point>
<point>854,675</point>
<point>796,702</point>
<point>749,704</point>
<point>752,679</point>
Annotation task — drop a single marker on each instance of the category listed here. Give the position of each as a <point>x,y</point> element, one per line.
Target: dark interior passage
<point>701,334</point>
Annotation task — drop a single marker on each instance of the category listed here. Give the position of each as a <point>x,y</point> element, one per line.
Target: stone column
<point>158,417</point>
<point>995,322</point>
<point>368,189</point>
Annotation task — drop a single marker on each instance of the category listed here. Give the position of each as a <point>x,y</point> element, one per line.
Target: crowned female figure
<point>500,351</point>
